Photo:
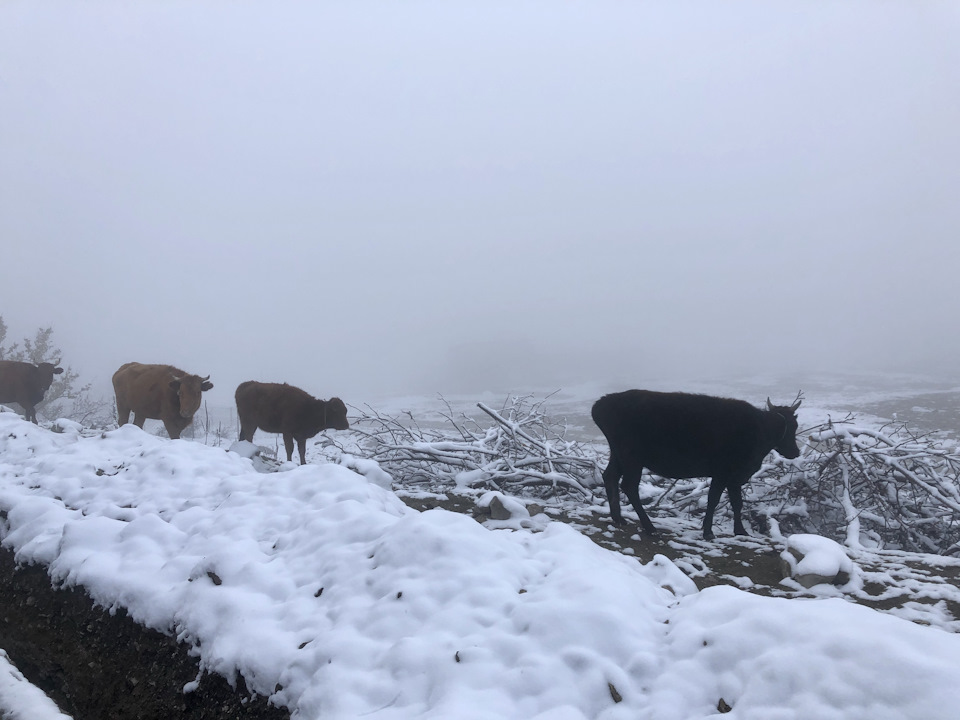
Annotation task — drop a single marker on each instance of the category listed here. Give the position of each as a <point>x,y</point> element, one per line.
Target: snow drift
<point>331,596</point>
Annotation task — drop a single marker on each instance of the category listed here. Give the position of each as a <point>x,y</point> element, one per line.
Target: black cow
<point>25,384</point>
<point>679,435</point>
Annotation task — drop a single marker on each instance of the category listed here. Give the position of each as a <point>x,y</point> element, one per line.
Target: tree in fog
<point>66,397</point>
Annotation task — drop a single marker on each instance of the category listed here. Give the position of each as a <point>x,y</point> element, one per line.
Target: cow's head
<point>787,445</point>
<point>335,414</point>
<point>189,389</point>
<point>45,373</point>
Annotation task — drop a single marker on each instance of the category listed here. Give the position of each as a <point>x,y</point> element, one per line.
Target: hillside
<point>319,589</point>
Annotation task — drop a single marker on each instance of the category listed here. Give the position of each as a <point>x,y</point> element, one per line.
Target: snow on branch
<point>892,487</point>
<point>522,452</point>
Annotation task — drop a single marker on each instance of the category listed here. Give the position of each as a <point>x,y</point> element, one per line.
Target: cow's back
<point>143,387</point>
<point>13,377</point>
<point>678,434</point>
<point>271,406</point>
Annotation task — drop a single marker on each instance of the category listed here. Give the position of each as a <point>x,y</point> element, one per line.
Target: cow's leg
<point>288,446</point>
<point>302,447</point>
<point>611,481</point>
<point>631,486</point>
<point>247,430</point>
<point>735,492</point>
<point>123,414</point>
<point>713,499</point>
<point>30,413</point>
<point>139,419</point>
<point>173,429</point>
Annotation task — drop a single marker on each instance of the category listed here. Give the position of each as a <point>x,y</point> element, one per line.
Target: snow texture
<point>19,700</point>
<point>818,556</point>
<point>337,600</point>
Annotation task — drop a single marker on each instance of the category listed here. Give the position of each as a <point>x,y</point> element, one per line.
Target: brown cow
<point>25,384</point>
<point>159,392</point>
<point>289,410</point>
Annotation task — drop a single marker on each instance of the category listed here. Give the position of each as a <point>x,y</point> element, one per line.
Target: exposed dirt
<point>98,666</point>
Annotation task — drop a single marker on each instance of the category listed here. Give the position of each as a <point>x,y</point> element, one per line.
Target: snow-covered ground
<point>330,595</point>
<point>19,700</point>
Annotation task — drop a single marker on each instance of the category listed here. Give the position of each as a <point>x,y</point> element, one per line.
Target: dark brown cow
<point>25,384</point>
<point>158,392</point>
<point>288,410</point>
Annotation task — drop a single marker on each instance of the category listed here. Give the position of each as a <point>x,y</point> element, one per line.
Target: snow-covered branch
<point>894,487</point>
<point>523,451</point>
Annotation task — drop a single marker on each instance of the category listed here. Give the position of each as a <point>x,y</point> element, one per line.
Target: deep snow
<point>329,594</point>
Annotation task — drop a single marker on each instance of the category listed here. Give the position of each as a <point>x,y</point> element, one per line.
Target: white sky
<point>370,197</point>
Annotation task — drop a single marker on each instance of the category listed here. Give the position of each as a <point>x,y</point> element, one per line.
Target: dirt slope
<point>98,666</point>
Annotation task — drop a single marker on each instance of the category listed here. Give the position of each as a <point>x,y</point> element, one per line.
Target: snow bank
<point>19,700</point>
<point>326,592</point>
<point>774,658</point>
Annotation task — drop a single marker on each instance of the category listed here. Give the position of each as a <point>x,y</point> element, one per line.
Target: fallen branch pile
<point>523,452</point>
<point>891,487</point>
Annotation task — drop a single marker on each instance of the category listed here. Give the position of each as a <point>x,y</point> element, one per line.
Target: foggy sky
<point>371,198</point>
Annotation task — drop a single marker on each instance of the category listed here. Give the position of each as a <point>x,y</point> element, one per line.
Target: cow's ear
<point>58,371</point>
<point>206,386</point>
<point>175,384</point>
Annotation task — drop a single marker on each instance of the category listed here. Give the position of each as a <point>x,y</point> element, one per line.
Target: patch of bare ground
<point>97,665</point>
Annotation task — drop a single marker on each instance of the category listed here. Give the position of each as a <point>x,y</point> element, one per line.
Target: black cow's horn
<point>769,404</point>
<point>793,408</point>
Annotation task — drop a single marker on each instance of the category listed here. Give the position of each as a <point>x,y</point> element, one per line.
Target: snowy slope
<point>325,591</point>
<point>19,700</point>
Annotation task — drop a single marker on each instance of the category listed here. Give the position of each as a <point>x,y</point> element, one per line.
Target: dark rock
<point>617,697</point>
<point>498,511</point>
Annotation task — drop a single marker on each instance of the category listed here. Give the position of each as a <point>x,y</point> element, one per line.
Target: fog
<point>376,198</point>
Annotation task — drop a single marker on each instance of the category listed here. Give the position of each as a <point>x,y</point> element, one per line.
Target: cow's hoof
<point>708,536</point>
